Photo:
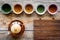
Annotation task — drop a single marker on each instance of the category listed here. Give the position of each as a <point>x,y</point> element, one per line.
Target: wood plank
<point>46,29</point>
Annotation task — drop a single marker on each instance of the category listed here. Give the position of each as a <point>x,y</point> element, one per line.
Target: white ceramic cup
<point>41,12</point>
<point>5,8</point>
<point>29,9</point>
<point>56,10</point>
<point>20,11</point>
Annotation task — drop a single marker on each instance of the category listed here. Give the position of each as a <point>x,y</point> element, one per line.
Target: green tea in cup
<point>40,9</point>
<point>6,8</point>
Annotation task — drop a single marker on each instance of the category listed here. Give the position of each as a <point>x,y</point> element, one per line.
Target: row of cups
<point>29,9</point>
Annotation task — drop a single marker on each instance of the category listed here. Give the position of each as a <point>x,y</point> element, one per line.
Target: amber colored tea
<point>17,8</point>
<point>29,8</point>
<point>52,8</point>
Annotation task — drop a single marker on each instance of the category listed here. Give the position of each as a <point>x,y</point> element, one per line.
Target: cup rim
<point>17,12</point>
<point>55,11</point>
<point>28,12</point>
<point>43,11</point>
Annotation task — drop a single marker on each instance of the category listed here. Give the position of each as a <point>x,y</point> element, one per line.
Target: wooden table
<point>46,29</point>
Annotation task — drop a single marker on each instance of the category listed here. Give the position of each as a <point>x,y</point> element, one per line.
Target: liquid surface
<point>40,8</point>
<point>53,8</point>
<point>6,8</point>
<point>15,28</point>
<point>18,8</point>
<point>29,8</point>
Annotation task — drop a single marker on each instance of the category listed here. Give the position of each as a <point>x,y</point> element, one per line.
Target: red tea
<point>52,8</point>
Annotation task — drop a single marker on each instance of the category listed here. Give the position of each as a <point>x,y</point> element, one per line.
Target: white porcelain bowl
<point>28,12</point>
<point>17,12</point>
<point>55,11</point>
<point>43,11</point>
<point>6,4</point>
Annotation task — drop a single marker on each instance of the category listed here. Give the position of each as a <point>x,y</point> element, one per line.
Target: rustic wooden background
<point>47,30</point>
<point>36,27</point>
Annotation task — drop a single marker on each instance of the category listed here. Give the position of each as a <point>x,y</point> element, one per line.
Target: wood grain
<point>46,29</point>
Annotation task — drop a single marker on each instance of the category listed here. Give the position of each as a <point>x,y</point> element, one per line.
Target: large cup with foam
<point>16,28</point>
